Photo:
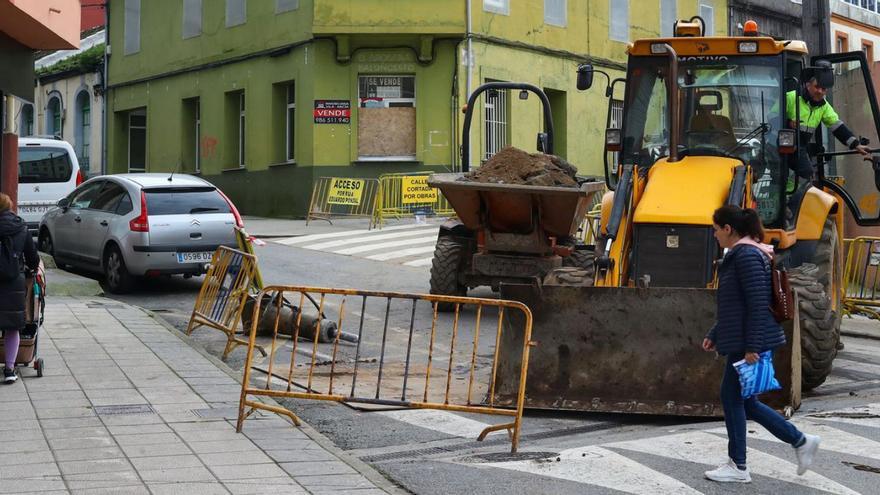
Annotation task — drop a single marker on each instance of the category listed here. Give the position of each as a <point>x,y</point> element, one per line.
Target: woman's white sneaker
<point>729,473</point>
<point>806,452</point>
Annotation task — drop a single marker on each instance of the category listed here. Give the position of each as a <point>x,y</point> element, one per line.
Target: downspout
<point>105,88</point>
<point>470,63</point>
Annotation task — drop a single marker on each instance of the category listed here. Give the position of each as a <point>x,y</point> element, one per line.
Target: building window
<point>868,48</point>
<point>192,18</point>
<point>618,28</point>
<point>132,26</point>
<point>286,5</point>
<point>495,106</point>
<point>241,130</point>
<point>26,127</point>
<point>137,141</point>
<point>841,42</point>
<point>707,12</point>
<point>668,13</point>
<point>616,123</point>
<point>53,117</point>
<point>497,6</point>
<point>236,12</point>
<point>555,12</point>
<point>290,122</point>
<point>82,131</point>
<point>387,117</point>
<point>235,129</point>
<point>192,135</point>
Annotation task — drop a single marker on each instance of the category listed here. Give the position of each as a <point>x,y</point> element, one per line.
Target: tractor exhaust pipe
<point>672,95</point>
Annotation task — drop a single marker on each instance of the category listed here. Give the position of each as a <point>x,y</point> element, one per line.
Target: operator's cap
<point>823,73</point>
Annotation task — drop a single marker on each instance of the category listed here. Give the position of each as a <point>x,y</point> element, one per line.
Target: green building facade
<point>261,97</point>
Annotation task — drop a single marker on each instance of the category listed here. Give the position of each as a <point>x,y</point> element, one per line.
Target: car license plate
<point>197,257</point>
<point>33,208</point>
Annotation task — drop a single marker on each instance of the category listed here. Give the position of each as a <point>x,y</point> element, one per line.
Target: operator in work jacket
<point>816,110</point>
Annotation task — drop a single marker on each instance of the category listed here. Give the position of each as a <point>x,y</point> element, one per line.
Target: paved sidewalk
<point>127,406</point>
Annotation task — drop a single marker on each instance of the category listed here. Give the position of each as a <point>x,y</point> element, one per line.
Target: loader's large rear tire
<point>445,268</point>
<point>829,260</point>
<point>819,336</point>
<point>579,269</point>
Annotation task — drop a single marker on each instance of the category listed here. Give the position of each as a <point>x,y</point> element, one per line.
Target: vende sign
<point>332,112</point>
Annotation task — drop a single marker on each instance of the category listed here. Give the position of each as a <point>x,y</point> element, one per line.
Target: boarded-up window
<point>707,12</point>
<point>667,17</point>
<point>192,18</point>
<point>618,26</point>
<point>497,6</point>
<point>387,117</point>
<point>132,26</point>
<point>286,5</point>
<point>236,12</point>
<point>554,12</point>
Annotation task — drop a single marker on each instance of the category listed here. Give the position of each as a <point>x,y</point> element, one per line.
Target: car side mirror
<point>585,76</point>
<point>612,140</point>
<point>543,142</point>
<point>63,203</point>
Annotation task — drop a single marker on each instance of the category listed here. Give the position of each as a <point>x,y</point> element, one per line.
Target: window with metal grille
<point>83,129</point>
<point>286,5</point>
<point>707,12</point>
<point>555,12</point>
<point>192,18</point>
<point>618,27</point>
<point>132,27</point>
<point>53,117</point>
<point>497,6</point>
<point>496,123</point>
<point>27,120</point>
<point>236,12</point>
<point>668,13</point>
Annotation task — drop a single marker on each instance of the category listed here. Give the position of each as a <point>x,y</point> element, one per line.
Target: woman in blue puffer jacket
<point>745,328</point>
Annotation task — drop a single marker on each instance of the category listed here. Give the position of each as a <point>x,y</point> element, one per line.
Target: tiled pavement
<point>66,432</point>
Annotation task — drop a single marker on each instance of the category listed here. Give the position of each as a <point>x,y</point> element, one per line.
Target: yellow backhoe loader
<point>705,123</point>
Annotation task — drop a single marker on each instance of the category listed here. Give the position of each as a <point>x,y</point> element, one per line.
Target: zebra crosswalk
<point>410,244</point>
<point>671,459</point>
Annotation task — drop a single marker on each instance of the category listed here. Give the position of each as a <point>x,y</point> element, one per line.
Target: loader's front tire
<point>579,269</point>
<point>445,268</point>
<point>819,333</point>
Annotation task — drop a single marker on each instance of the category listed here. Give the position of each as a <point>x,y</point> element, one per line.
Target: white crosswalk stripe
<point>601,467</point>
<point>707,449</point>
<point>409,244</point>
<point>442,421</point>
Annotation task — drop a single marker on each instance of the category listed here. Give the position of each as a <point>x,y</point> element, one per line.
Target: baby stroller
<point>34,307</point>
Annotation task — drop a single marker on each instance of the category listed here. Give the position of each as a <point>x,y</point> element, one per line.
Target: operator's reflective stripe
<point>850,141</point>
<point>833,127</point>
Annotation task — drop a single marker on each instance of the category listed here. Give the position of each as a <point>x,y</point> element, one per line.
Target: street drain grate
<point>124,409</point>
<point>507,457</point>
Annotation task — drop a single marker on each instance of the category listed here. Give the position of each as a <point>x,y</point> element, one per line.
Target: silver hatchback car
<point>135,225</point>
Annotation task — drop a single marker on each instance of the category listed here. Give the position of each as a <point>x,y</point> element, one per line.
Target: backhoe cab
<point>703,124</point>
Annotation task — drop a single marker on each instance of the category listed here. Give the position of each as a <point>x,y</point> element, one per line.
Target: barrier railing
<point>591,224</point>
<point>861,277</point>
<point>223,295</point>
<point>407,195</point>
<point>402,343</point>
<point>334,197</point>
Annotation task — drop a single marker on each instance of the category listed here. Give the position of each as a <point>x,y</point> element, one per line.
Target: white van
<point>47,171</point>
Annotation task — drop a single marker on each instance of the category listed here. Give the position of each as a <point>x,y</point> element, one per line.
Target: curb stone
<point>358,465</point>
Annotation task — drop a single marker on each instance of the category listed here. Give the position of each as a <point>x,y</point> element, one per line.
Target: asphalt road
<point>436,453</point>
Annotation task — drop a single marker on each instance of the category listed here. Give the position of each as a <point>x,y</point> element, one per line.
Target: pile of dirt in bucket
<point>515,166</point>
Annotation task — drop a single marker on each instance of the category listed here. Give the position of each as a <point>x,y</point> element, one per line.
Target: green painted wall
<point>323,47</point>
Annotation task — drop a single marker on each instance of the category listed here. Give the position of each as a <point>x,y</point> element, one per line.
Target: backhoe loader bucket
<point>628,350</point>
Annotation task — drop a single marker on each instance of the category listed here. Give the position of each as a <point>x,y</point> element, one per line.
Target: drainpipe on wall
<point>9,157</point>
<point>470,63</point>
<point>106,83</point>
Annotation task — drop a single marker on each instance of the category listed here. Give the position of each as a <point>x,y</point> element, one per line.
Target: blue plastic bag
<point>757,378</point>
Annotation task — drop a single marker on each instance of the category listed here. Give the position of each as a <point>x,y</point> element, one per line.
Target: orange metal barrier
<point>223,294</point>
<point>862,277</point>
<point>402,343</point>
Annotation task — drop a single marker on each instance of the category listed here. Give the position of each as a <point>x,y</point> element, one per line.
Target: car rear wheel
<point>116,275</point>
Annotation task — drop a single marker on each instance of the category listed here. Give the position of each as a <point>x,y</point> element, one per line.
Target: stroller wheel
<point>38,365</point>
